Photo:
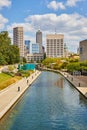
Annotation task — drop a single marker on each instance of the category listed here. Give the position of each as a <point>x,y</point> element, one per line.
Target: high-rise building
<point>27,47</point>
<point>39,37</point>
<point>83,50</point>
<point>18,39</point>
<point>39,40</point>
<point>55,45</point>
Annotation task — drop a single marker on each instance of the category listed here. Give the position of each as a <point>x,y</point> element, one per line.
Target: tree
<point>73,67</point>
<point>9,54</point>
<point>4,38</point>
<point>13,54</point>
<point>24,60</point>
<point>2,59</point>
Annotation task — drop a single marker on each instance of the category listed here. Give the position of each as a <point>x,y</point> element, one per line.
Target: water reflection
<point>60,82</point>
<point>7,121</point>
<point>82,100</point>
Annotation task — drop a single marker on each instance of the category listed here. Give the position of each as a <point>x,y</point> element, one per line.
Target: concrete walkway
<point>78,83</point>
<point>12,93</point>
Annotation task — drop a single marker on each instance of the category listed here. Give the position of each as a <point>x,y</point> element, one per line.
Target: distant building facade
<point>55,45</point>
<point>83,50</point>
<point>33,55</point>
<point>39,40</point>
<point>39,37</point>
<point>66,53</point>
<point>27,47</point>
<point>18,39</point>
<point>34,48</point>
<point>36,57</point>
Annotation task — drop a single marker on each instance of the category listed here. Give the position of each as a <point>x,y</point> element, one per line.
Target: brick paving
<point>82,78</point>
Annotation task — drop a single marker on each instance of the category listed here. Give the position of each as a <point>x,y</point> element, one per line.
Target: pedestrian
<point>18,89</point>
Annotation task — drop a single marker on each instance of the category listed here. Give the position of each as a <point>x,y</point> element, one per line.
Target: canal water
<point>51,103</point>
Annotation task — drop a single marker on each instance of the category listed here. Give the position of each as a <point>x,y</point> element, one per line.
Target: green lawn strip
<point>6,80</point>
<point>4,77</point>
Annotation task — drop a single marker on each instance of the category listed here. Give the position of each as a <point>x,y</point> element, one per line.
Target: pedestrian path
<point>12,93</point>
<point>77,82</point>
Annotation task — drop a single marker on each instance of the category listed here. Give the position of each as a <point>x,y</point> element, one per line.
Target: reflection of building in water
<point>59,83</point>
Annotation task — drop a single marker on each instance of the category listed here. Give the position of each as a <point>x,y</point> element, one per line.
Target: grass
<point>25,73</point>
<point>6,80</point>
<point>0,66</point>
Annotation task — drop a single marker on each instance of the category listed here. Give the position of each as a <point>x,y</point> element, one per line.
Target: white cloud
<point>73,26</point>
<point>62,5</point>
<point>72,2</point>
<point>5,3</point>
<point>3,21</point>
<point>56,5</point>
<point>27,27</point>
<point>28,30</point>
<point>63,22</point>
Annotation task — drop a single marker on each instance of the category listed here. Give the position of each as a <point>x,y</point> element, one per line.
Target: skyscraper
<point>18,39</point>
<point>39,37</point>
<point>39,40</point>
<point>55,45</point>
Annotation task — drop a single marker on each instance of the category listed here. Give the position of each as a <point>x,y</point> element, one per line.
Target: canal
<point>51,103</point>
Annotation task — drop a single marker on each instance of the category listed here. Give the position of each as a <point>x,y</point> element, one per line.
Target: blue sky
<point>65,16</point>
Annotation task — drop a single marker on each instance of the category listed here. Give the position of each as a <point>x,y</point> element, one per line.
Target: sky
<point>68,17</point>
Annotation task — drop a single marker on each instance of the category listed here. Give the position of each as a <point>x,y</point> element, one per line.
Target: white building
<point>55,45</point>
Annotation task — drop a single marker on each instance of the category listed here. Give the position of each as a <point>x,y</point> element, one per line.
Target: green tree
<point>24,60</point>
<point>13,54</point>
<point>73,67</point>
<point>9,54</point>
<point>4,38</point>
<point>2,59</point>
